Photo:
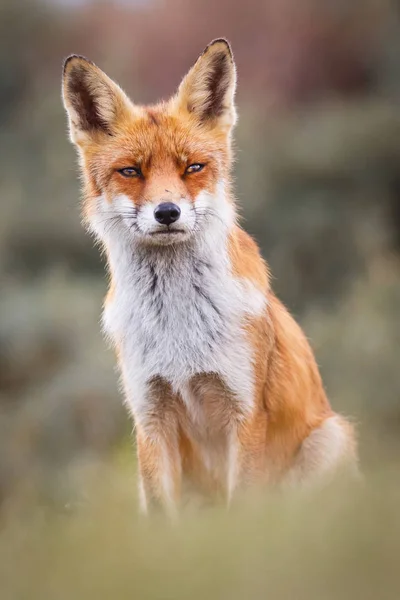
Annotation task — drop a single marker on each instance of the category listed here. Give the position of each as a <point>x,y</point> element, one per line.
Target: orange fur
<point>291,430</point>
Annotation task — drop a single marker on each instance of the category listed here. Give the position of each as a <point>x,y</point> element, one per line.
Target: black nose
<point>167,213</point>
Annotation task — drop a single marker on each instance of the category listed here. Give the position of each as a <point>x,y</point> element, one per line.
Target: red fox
<point>222,384</point>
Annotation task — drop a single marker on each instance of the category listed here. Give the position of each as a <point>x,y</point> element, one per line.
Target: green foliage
<point>336,544</point>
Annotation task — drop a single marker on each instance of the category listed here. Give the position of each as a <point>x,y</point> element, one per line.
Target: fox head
<point>154,174</point>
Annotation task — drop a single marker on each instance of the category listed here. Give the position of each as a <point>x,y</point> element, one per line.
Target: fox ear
<point>94,103</point>
<point>208,90</point>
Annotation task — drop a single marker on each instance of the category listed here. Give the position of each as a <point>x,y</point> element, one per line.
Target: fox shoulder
<point>246,259</point>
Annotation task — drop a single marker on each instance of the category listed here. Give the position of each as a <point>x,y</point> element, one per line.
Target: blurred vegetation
<point>318,181</point>
<point>338,545</point>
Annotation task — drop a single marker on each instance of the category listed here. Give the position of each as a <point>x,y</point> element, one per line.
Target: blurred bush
<point>317,177</point>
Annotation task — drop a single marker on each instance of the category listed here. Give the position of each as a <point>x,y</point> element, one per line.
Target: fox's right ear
<point>94,103</point>
<point>208,90</point>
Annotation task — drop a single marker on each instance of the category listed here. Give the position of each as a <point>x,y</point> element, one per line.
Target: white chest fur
<point>177,312</point>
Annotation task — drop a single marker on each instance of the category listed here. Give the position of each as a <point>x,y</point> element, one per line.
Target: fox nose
<point>167,213</point>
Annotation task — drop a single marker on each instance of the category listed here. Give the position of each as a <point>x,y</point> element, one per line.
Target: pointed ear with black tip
<point>94,103</point>
<point>208,90</point>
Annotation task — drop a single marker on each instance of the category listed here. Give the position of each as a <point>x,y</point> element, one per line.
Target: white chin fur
<point>164,239</point>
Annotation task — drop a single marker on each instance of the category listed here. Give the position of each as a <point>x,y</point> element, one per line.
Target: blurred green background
<point>318,182</point>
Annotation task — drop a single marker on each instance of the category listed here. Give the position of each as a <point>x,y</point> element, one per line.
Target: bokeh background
<point>318,182</point>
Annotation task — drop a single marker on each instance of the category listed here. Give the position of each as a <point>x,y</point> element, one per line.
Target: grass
<point>336,544</point>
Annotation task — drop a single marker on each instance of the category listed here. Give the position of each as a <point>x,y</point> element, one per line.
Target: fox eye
<point>194,168</point>
<point>130,172</point>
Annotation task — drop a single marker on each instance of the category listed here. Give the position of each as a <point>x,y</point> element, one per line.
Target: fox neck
<point>126,256</point>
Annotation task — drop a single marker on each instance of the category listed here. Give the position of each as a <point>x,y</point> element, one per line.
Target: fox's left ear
<point>208,90</point>
<point>94,103</point>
